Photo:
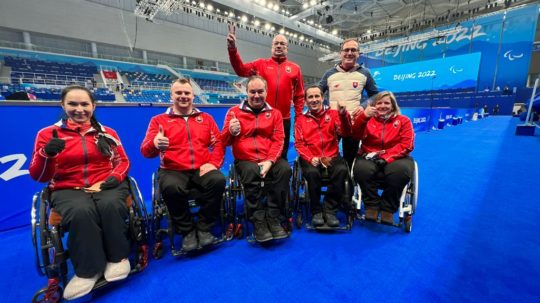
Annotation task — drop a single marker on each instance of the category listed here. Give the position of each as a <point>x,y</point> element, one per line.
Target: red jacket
<point>80,164</point>
<point>192,142</point>
<point>284,79</point>
<point>316,135</point>
<point>393,137</point>
<point>261,135</point>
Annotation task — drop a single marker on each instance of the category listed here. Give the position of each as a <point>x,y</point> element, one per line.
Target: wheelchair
<point>408,199</point>
<point>162,230</point>
<point>302,202</point>
<point>51,256</point>
<point>241,224</point>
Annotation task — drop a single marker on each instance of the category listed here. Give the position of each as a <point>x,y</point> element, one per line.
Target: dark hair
<point>310,87</point>
<point>104,143</point>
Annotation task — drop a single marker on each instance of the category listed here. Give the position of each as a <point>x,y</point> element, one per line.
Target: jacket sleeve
<point>148,149</point>
<point>217,153</point>
<point>240,68</point>
<point>120,160</point>
<point>298,98</point>
<point>359,126</point>
<point>277,138</point>
<point>405,145</point>
<point>42,167</point>
<point>344,125</point>
<point>226,137</point>
<point>300,143</point>
<point>371,86</point>
<point>323,84</point>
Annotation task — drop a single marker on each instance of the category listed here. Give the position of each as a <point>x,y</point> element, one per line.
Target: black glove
<point>380,162</point>
<point>110,182</point>
<point>55,145</point>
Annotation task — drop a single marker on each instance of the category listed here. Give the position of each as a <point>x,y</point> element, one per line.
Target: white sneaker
<point>78,287</point>
<point>117,271</point>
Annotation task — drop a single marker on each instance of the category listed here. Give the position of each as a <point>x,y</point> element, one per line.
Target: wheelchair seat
<point>302,205</point>
<point>51,256</point>
<point>161,230</point>
<point>235,192</point>
<point>408,199</point>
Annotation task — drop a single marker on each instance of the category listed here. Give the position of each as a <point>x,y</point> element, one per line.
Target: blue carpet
<point>474,239</point>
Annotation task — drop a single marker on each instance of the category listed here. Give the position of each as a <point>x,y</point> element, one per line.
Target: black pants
<point>394,178</point>
<point>98,226</point>
<point>287,140</point>
<point>337,174</point>
<point>350,149</point>
<point>275,189</point>
<point>176,190</point>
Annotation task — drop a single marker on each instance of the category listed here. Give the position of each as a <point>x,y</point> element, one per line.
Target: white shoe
<point>78,287</point>
<point>117,271</point>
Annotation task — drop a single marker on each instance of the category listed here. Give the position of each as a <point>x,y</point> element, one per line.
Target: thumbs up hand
<point>231,37</point>
<point>55,145</point>
<point>234,125</point>
<point>160,141</point>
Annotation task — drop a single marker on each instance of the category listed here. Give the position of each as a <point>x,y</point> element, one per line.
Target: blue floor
<point>475,238</point>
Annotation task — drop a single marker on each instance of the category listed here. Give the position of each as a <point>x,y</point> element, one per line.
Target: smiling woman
<point>84,163</point>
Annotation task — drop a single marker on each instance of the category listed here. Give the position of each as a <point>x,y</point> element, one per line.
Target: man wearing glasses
<point>345,83</point>
<point>284,79</point>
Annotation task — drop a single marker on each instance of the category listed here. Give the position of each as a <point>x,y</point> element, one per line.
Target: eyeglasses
<point>280,43</point>
<point>352,50</point>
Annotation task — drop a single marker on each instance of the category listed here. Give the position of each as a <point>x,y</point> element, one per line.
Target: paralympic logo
<point>455,70</point>
<point>512,57</point>
<point>376,74</point>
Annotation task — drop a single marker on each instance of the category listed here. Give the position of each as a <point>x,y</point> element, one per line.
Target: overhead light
<point>334,32</point>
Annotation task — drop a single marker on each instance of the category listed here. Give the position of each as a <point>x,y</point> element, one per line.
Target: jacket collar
<point>170,111</point>
<point>308,113</point>
<point>355,68</point>
<point>245,107</point>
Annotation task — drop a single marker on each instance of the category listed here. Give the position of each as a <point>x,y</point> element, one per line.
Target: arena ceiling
<point>330,21</point>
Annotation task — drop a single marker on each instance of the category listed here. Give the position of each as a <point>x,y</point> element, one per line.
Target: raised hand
<point>55,145</point>
<point>160,141</point>
<point>370,111</point>
<point>234,125</point>
<point>231,36</point>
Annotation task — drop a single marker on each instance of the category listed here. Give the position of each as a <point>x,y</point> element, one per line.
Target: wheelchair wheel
<point>37,216</point>
<point>48,294</point>
<point>415,188</point>
<point>408,223</point>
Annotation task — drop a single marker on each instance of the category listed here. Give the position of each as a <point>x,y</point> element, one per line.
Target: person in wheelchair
<point>316,134</point>
<point>86,167</point>
<point>188,143</point>
<point>387,138</point>
<point>255,131</point>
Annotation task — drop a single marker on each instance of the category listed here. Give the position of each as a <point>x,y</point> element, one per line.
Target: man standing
<point>188,143</point>
<point>255,131</point>
<point>284,79</point>
<point>345,83</point>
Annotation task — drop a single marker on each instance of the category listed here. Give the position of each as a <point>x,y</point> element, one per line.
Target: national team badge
<point>198,119</point>
<point>267,115</point>
<point>396,124</point>
<point>355,84</point>
<point>327,118</point>
<point>288,69</point>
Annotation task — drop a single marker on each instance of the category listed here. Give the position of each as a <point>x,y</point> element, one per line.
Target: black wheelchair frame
<point>302,202</point>
<point>51,256</point>
<point>235,192</point>
<point>159,211</point>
